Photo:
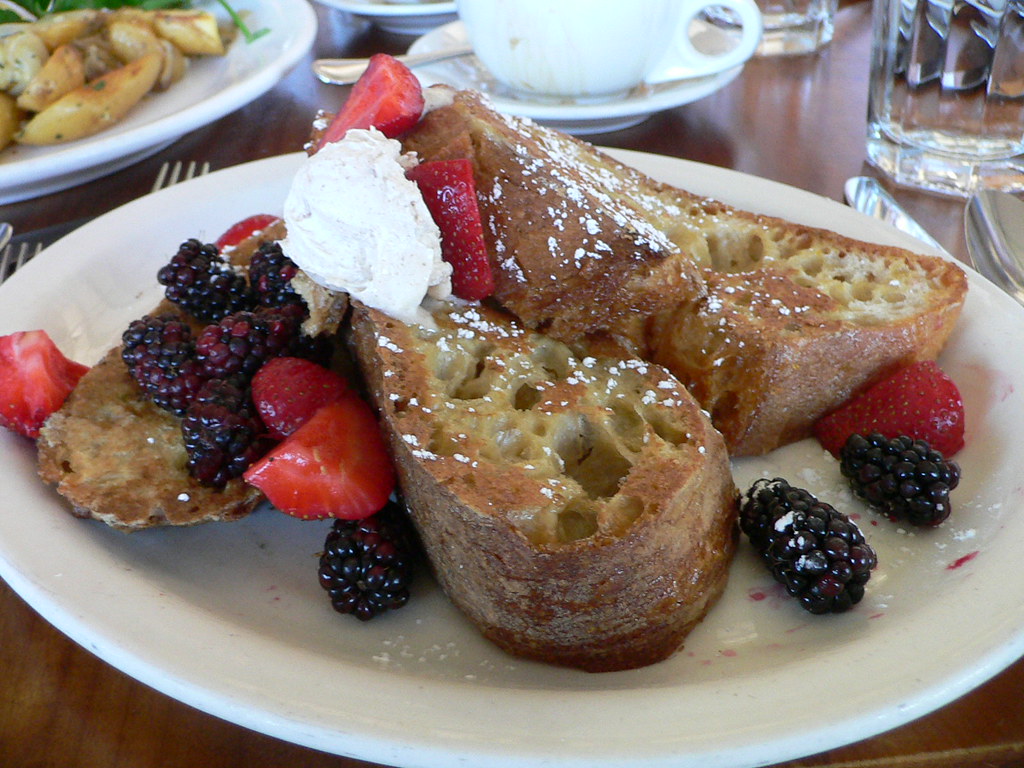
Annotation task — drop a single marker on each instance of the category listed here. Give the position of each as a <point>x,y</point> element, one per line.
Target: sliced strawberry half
<point>334,465</point>
<point>387,97</point>
<point>35,380</point>
<point>287,392</point>
<point>244,229</point>
<point>920,401</point>
<point>449,190</point>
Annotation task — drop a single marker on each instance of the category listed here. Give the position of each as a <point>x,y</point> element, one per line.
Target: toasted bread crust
<point>572,251</point>
<point>580,512</point>
<point>118,458</point>
<point>770,323</point>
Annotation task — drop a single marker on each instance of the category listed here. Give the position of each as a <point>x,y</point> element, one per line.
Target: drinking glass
<point>946,94</point>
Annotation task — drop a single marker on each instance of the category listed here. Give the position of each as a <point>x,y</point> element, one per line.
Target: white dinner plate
<point>230,619</point>
<point>404,17</point>
<point>212,87</point>
<point>580,118</point>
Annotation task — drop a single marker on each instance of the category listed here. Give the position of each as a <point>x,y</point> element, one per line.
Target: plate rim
<point>415,751</point>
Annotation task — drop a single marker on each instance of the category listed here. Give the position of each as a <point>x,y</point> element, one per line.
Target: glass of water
<point>946,98</point>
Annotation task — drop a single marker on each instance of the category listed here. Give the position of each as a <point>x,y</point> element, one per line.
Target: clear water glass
<point>946,98</point>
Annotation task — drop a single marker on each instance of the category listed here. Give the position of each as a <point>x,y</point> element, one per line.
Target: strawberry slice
<point>919,400</point>
<point>449,190</point>
<point>287,391</point>
<point>35,380</point>
<point>244,229</point>
<point>387,97</point>
<point>334,465</point>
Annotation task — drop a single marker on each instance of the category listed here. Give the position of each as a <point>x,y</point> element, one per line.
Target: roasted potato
<point>63,71</point>
<point>194,32</point>
<point>131,39</point>
<point>10,116</point>
<point>175,65</point>
<point>61,28</point>
<point>95,105</point>
<point>22,55</point>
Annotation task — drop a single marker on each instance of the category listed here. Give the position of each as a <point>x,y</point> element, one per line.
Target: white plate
<point>229,618</point>
<point>575,117</point>
<point>213,87</point>
<point>404,18</point>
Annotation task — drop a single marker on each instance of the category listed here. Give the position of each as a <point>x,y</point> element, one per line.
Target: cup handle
<point>684,60</point>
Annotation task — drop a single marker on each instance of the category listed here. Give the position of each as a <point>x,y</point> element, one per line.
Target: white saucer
<point>412,17</point>
<point>571,116</point>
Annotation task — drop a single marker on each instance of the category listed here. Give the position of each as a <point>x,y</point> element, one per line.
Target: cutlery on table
<point>994,226</point>
<point>13,256</point>
<point>867,195</point>
<point>347,71</point>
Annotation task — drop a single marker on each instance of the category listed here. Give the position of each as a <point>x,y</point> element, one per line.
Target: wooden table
<point>798,121</point>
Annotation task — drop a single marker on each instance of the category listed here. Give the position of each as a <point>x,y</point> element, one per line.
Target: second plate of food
<point>211,88</point>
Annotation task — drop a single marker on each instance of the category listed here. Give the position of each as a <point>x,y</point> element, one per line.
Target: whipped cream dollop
<point>355,223</point>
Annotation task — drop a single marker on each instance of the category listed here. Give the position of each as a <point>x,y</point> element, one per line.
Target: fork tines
<point>171,173</point>
<point>14,257</point>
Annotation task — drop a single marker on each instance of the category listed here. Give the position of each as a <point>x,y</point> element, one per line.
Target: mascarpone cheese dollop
<point>355,223</point>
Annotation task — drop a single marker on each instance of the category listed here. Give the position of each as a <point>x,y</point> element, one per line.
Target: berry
<point>387,97</point>
<point>919,400</point>
<point>200,282</point>
<point>449,190</point>
<point>243,230</point>
<point>161,357</point>
<point>815,551</point>
<point>270,275</point>
<point>367,565</point>
<point>221,440</point>
<point>35,380</point>
<point>901,477</point>
<point>334,465</point>
<point>287,391</point>
<point>242,342</point>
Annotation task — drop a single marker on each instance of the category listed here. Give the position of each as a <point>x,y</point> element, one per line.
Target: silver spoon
<point>994,227</point>
<point>6,230</point>
<point>347,71</point>
<point>867,195</point>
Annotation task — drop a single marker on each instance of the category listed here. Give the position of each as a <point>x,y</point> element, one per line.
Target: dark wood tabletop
<point>798,120</point>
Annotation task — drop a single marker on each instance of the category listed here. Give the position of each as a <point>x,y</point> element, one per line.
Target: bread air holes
<point>577,520</point>
<point>590,455</point>
<point>525,397</point>
<point>463,371</point>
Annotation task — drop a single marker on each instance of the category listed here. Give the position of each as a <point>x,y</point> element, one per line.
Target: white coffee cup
<point>595,50</point>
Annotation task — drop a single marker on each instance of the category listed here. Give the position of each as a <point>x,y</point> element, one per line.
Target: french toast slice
<point>771,324</point>
<point>118,458</point>
<point>579,510</point>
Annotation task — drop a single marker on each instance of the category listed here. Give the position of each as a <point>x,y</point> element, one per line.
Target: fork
<point>171,173</point>
<point>13,257</point>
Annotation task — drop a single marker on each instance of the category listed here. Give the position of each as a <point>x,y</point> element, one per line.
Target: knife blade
<point>867,195</point>
<point>994,228</point>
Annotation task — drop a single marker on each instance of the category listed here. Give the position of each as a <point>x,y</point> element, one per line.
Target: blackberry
<point>901,477</point>
<point>815,551</point>
<point>240,343</point>
<point>199,281</point>
<point>367,565</point>
<point>160,353</point>
<point>270,275</point>
<point>222,434</point>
